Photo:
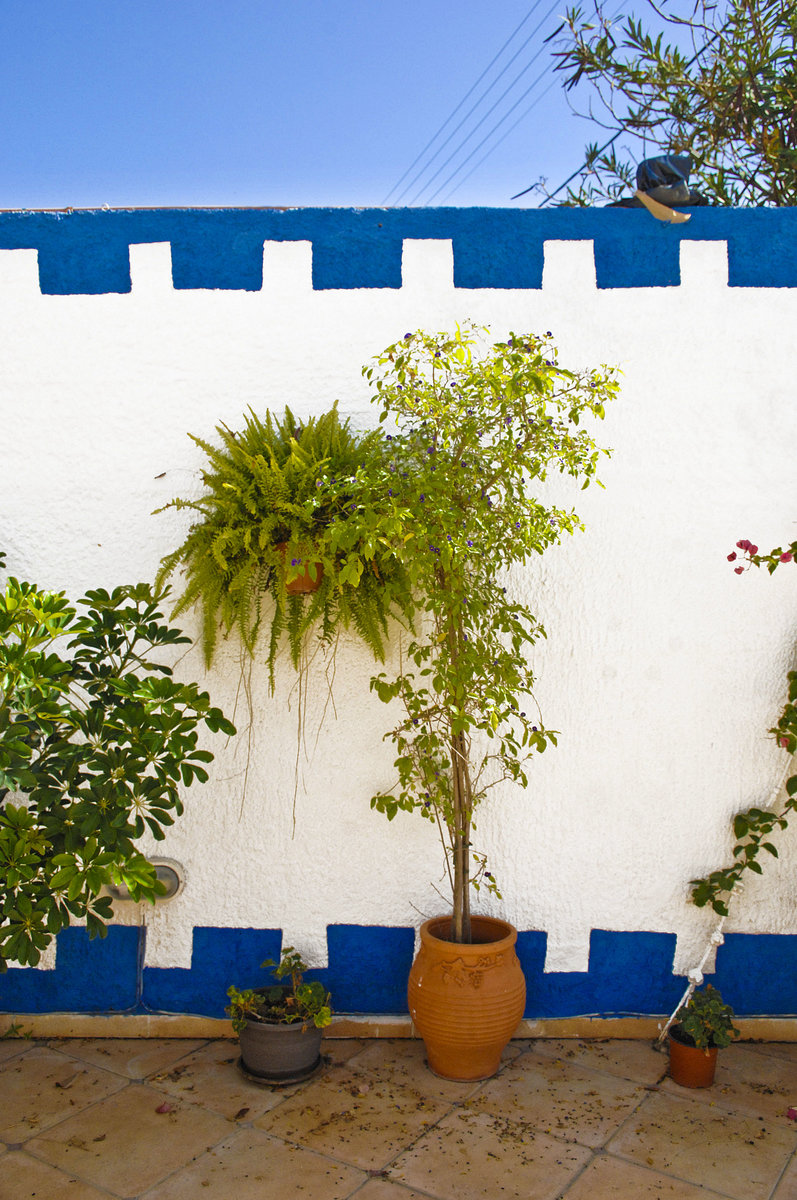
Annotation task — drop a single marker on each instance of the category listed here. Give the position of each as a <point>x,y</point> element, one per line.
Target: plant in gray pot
<point>280,1025</point>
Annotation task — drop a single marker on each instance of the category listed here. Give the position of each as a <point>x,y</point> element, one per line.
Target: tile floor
<point>174,1120</point>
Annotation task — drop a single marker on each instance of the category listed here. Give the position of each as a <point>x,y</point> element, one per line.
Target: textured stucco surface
<point>662,669</point>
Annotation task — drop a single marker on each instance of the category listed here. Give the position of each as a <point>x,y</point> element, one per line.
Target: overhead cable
<point>505,135</point>
<point>464,99</point>
<point>490,110</point>
<point>502,139</point>
<point>451,115</point>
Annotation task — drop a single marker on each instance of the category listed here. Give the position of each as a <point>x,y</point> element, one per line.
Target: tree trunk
<point>460,833</point>
<point>461,847</point>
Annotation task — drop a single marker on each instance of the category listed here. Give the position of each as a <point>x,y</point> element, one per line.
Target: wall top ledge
<point>86,251</point>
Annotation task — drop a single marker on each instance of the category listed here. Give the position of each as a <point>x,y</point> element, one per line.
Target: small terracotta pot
<point>303,583</point>
<point>466,999</point>
<point>689,1066</point>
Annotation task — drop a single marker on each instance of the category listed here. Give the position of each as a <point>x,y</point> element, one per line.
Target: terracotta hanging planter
<point>304,582</point>
<point>466,999</point>
<point>690,1066</point>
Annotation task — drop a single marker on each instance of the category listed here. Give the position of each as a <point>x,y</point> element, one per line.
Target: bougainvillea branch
<point>754,828</point>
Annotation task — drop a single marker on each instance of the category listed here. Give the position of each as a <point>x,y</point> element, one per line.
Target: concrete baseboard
<point>168,1025</point>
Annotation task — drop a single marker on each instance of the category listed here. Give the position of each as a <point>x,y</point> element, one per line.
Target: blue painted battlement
<point>629,973</point>
<point>86,252</point>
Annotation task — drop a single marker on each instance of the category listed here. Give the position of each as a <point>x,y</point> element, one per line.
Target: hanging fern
<point>282,497</point>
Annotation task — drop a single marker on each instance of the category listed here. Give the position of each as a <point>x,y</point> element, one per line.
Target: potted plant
<point>702,1026</point>
<point>277,517</point>
<point>476,430</point>
<point>97,744</point>
<point>280,1025</point>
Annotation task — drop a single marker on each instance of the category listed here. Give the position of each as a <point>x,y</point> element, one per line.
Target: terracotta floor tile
<point>135,1058</point>
<point>630,1059</point>
<point>404,1062</point>
<point>747,1082</point>
<point>385,1189</point>
<point>354,1116</point>
<point>25,1178</point>
<point>124,1145</point>
<point>477,1156</point>
<point>210,1077</point>
<point>739,1156</point>
<point>254,1166</point>
<point>45,1086</point>
<point>608,1178</point>
<point>784,1050</point>
<point>560,1098</point>
<point>337,1051</point>
<point>13,1047</point>
<point>787,1188</point>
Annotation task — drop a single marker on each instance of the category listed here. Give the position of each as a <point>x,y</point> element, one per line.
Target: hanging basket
<point>304,582</point>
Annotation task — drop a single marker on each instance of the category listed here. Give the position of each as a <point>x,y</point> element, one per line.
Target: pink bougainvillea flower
<point>751,549</point>
<point>739,570</point>
<point>786,557</point>
<point>743,544</point>
<point>783,742</point>
<point>732,556</point>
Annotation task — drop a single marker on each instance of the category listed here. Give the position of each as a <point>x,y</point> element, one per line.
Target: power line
<point>490,110</point>
<point>506,134</point>
<point>467,95</point>
<point>503,138</point>
<point>488,135</point>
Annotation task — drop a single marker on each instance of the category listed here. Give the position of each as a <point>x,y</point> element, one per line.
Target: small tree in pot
<point>478,430</point>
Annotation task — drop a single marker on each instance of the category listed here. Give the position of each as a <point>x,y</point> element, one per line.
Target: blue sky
<point>251,102</point>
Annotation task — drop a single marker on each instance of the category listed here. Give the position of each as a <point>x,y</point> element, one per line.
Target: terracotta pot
<point>689,1066</point>
<point>280,1053</point>
<point>466,1000</point>
<point>303,583</point>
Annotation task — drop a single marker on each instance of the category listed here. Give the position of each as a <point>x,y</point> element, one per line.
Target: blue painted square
<point>493,249</point>
<point>213,254</point>
<point>220,957</point>
<point>629,973</point>
<point>354,250</point>
<point>757,973</point>
<point>530,948</point>
<point>91,975</point>
<point>368,968</point>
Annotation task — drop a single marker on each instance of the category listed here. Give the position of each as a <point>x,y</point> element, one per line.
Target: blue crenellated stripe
<point>86,252</point>
<point>629,973</point>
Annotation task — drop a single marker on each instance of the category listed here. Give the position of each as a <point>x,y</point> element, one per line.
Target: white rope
<point>695,976</point>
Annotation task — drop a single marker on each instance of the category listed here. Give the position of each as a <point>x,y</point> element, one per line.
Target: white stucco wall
<point>663,670</point>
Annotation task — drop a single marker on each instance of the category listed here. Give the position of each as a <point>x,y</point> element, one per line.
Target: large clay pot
<point>689,1066</point>
<point>466,1000</point>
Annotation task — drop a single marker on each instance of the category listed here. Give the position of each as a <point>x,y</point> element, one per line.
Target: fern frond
<point>276,483</point>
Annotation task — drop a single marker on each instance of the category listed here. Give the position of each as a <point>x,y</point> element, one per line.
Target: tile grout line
<point>129,1083</point>
<point>792,1159</point>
